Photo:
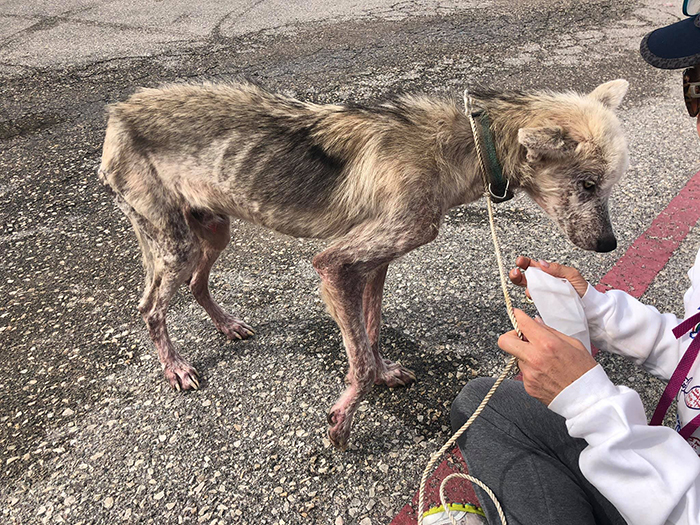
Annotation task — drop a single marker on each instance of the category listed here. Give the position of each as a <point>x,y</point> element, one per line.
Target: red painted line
<point>642,261</point>
<point>632,273</point>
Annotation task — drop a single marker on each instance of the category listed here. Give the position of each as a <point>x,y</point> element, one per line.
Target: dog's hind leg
<point>175,256</point>
<point>388,373</point>
<point>144,234</point>
<point>169,260</point>
<point>345,269</point>
<point>214,232</point>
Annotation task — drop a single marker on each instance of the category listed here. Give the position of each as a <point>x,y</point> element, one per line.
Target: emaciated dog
<point>376,181</point>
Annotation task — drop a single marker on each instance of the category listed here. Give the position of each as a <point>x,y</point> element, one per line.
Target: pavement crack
<point>216,31</point>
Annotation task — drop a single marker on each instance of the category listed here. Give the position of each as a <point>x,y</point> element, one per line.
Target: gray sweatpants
<point>524,454</point>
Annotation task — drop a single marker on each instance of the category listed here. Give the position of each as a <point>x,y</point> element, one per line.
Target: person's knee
<point>468,400</point>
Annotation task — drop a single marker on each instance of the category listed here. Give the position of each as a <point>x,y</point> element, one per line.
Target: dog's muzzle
<point>606,244</point>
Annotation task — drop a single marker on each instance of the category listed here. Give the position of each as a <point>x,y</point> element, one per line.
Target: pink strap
<point>687,325</point>
<point>680,373</point>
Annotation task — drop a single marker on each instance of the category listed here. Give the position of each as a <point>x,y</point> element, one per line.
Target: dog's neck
<point>507,114</point>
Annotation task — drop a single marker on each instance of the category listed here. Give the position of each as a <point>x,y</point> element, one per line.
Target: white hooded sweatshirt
<point>650,473</point>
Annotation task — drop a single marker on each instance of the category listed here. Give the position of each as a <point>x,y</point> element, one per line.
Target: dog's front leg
<point>388,373</point>
<point>346,269</point>
<point>342,289</point>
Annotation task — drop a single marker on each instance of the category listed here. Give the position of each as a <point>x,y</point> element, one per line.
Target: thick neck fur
<point>508,113</point>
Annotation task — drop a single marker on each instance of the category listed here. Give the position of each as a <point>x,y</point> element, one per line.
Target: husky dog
<point>376,181</point>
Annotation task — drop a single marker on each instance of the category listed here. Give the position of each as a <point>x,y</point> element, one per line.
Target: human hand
<point>549,360</point>
<point>555,269</point>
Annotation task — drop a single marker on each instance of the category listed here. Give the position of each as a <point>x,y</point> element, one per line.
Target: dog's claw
<point>234,328</point>
<point>339,429</point>
<point>394,375</point>
<point>181,376</point>
<point>340,446</point>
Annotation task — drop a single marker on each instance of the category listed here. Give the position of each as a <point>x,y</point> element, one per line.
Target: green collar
<point>498,184</point>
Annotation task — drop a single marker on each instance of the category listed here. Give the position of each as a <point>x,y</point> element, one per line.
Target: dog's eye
<point>588,185</point>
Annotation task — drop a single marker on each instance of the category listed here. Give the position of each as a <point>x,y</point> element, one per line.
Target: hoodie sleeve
<point>620,324</point>
<point>650,474</point>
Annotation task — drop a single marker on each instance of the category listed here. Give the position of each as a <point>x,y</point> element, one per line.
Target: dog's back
<point>304,169</point>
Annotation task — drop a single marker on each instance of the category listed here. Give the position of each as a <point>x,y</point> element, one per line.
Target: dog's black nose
<point>606,244</point>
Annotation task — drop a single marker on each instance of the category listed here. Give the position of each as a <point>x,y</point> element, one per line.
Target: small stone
<point>384,468</point>
<point>67,412</point>
<point>339,520</point>
<point>159,495</point>
<point>366,521</point>
<point>170,506</point>
<point>108,502</point>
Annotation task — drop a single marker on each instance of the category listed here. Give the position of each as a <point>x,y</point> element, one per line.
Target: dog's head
<point>572,158</point>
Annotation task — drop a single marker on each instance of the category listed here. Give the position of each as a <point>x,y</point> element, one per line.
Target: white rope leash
<point>476,482</point>
<point>506,371</point>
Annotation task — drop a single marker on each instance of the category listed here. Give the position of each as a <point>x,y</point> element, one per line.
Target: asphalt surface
<point>89,430</point>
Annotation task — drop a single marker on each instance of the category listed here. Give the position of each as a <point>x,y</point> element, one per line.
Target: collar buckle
<point>507,194</point>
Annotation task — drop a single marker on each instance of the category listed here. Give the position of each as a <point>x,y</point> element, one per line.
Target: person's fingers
<point>524,263</point>
<point>517,277</point>
<point>569,273</point>
<point>511,343</point>
<point>556,333</point>
<point>556,269</point>
<point>531,329</point>
<point>567,339</point>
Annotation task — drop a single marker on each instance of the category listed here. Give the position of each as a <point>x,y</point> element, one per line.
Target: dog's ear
<point>611,93</point>
<point>548,141</point>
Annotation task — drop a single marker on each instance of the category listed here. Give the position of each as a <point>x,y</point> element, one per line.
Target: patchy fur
<point>376,181</point>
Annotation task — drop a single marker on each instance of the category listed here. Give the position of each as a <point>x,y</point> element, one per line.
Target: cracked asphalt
<point>89,430</point>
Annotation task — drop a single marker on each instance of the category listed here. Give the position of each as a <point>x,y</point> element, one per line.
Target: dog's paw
<point>339,430</point>
<point>182,376</point>
<point>393,375</point>
<point>234,328</point>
